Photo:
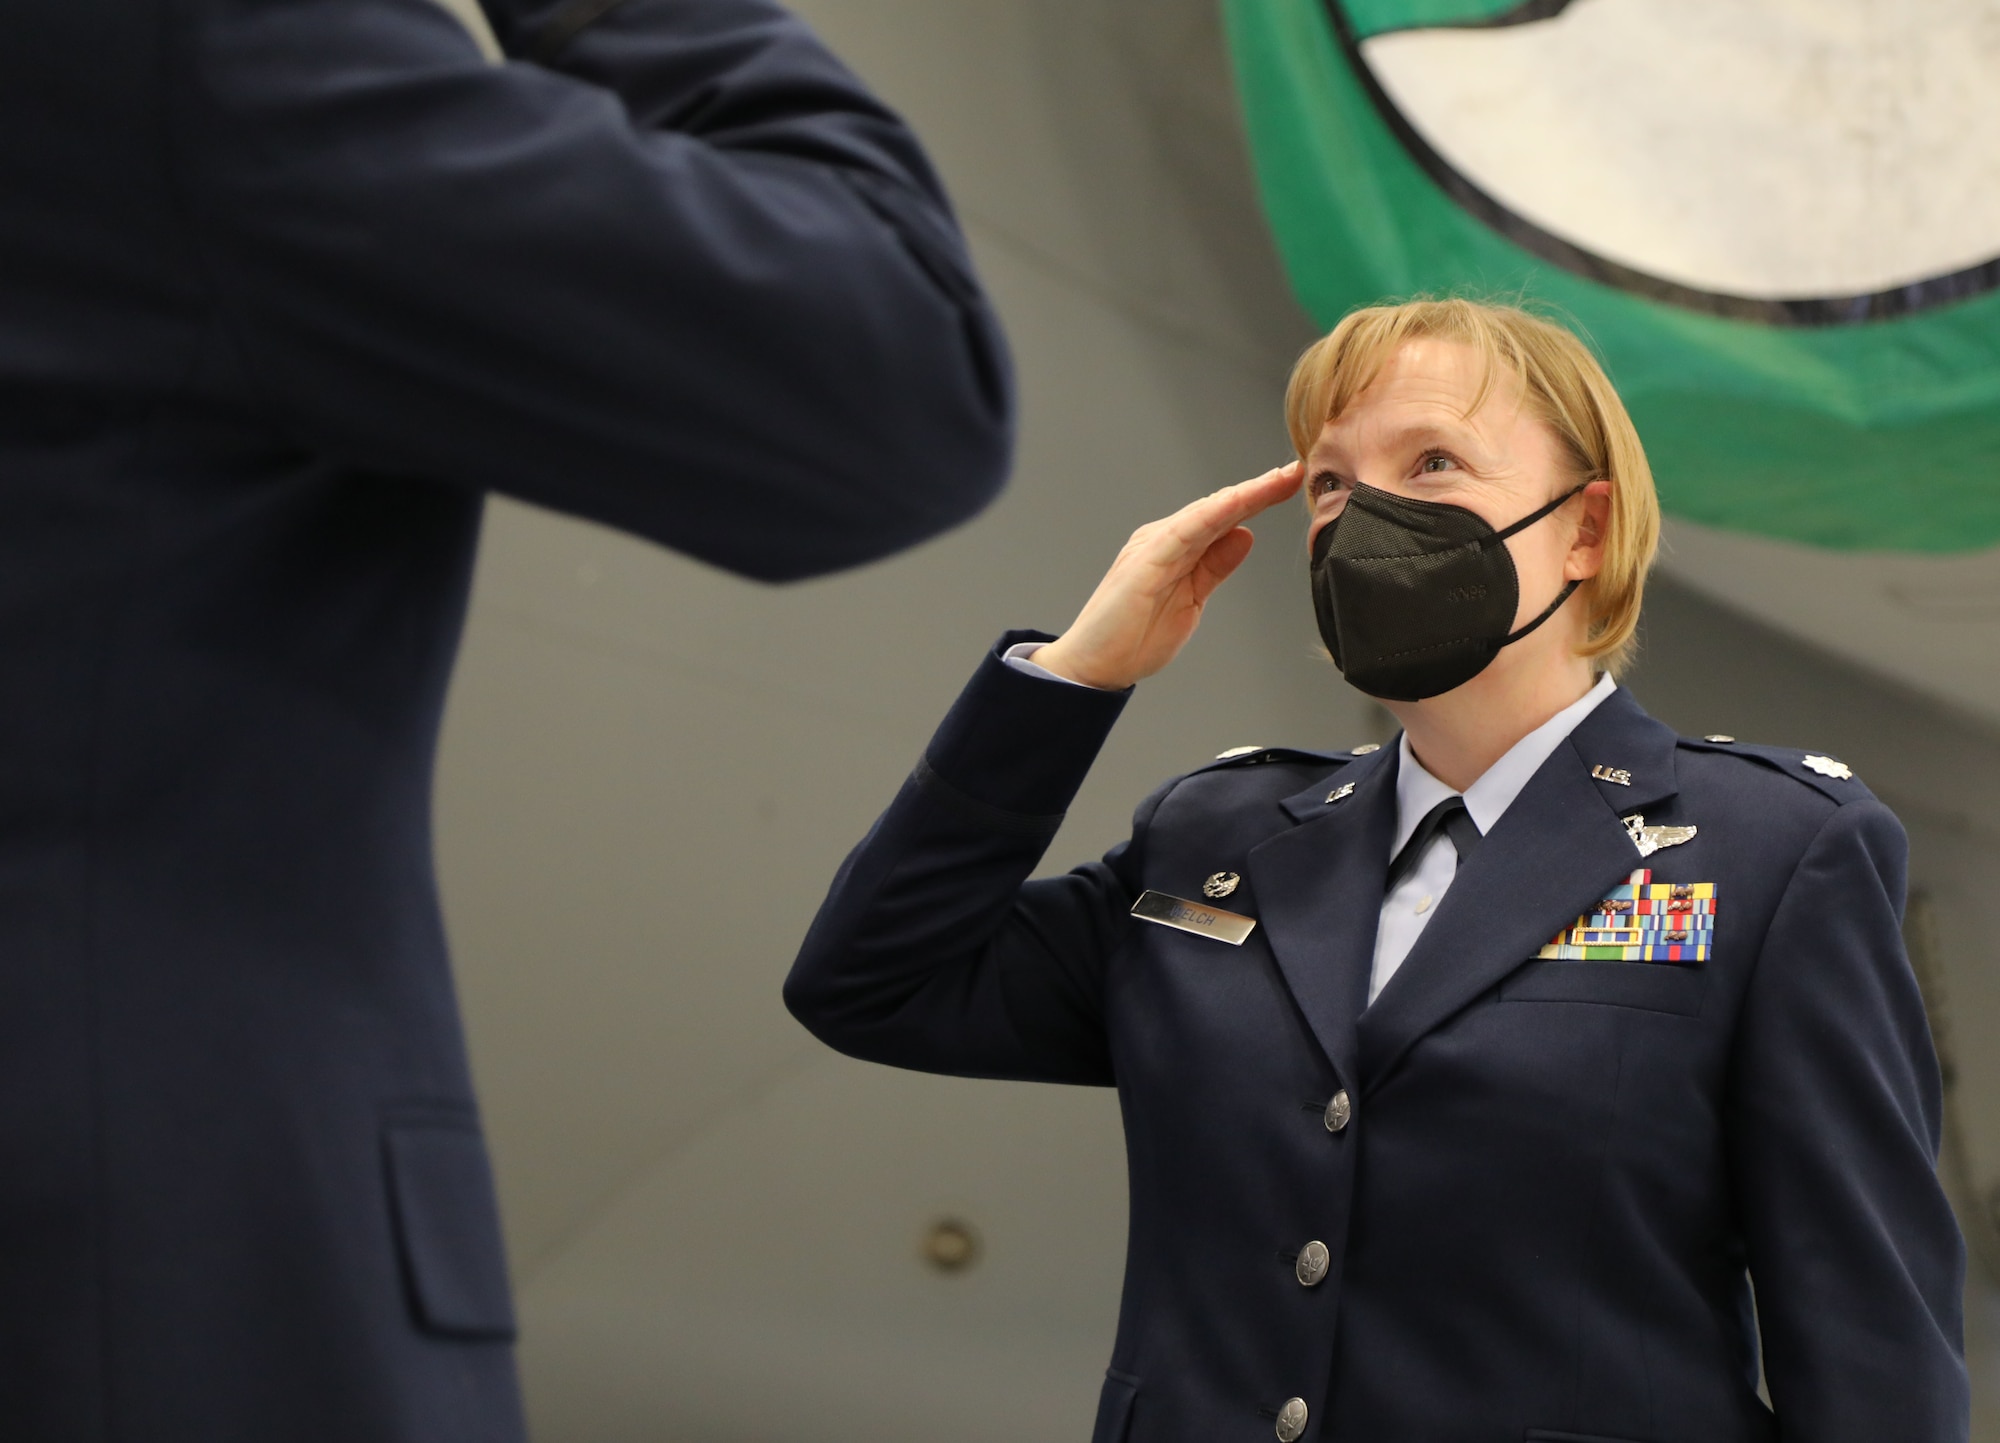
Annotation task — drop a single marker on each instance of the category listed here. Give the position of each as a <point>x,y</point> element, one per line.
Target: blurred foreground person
<point>284,286</point>
<point>1468,1083</point>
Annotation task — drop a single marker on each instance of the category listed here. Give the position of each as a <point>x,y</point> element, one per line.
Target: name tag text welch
<point>1197,917</point>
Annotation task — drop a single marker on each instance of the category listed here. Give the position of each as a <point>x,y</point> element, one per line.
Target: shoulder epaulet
<point>1258,756</point>
<point>1825,774</point>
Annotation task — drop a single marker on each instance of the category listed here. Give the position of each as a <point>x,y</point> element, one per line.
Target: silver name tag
<point>1196,917</point>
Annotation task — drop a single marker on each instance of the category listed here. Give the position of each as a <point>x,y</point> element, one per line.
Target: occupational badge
<point>1642,921</point>
<point>1220,885</point>
<point>1650,839</point>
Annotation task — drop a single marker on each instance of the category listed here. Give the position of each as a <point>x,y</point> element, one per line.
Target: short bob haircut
<point>1564,385</point>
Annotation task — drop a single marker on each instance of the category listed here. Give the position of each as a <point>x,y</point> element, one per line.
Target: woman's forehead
<point>1428,389</point>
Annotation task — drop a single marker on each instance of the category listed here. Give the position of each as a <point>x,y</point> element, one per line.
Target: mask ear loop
<point>1533,516</point>
<point>1561,596</point>
<point>1550,610</point>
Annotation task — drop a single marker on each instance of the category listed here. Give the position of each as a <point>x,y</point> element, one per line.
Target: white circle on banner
<point>1767,148</point>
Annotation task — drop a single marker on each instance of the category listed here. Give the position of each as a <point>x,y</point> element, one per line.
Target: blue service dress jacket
<point>285,287</point>
<point>1544,1185</point>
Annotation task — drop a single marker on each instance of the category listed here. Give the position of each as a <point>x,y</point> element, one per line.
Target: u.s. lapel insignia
<point>1341,793</point>
<point>1642,921</point>
<point>1828,767</point>
<point>1617,775</point>
<point>1650,839</point>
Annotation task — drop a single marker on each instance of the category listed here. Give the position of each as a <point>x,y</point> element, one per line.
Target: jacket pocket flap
<point>448,1228</point>
<point>1114,1408</point>
<point>1650,986</point>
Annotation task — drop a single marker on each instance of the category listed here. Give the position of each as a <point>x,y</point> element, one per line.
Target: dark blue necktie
<point>1448,816</point>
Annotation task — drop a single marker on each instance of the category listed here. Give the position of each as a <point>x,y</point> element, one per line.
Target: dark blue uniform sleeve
<point>933,951</point>
<point>688,278</point>
<point>1858,1263</point>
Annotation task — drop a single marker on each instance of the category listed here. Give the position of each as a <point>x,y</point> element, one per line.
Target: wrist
<point>1060,660</point>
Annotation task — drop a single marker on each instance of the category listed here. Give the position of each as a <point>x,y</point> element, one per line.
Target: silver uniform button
<point>1365,749</point>
<point>1292,1421</point>
<point>1718,737</point>
<point>1314,1260</point>
<point>1339,1112</point>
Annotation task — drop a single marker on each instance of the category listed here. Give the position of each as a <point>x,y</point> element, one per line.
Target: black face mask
<point>1415,598</point>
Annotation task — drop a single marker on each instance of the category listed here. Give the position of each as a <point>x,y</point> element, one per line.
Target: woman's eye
<point>1325,484</point>
<point>1436,461</point>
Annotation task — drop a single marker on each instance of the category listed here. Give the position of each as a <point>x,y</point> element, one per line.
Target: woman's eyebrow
<point>1411,435</point>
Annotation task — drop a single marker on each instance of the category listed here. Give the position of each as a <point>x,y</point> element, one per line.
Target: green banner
<point>1860,409</point>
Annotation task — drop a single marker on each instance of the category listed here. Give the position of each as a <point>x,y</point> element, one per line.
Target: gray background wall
<point>651,770</point>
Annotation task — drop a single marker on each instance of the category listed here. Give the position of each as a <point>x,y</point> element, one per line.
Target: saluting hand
<point>1151,600</point>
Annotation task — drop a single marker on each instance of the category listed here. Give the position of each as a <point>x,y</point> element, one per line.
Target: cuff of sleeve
<point>1021,656</point>
<point>1015,742</point>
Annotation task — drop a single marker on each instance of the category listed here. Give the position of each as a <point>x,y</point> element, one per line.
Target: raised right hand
<point>1151,600</point>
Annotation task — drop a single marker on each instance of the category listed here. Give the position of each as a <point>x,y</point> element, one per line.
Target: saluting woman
<point>1551,1033</point>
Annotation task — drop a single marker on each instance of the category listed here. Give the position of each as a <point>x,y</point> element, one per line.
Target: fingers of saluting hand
<point>1189,532</point>
<point>1151,600</point>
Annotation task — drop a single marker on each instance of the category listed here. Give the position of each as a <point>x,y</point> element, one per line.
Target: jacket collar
<point>1557,848</point>
<point>1319,890</point>
<point>1324,798</point>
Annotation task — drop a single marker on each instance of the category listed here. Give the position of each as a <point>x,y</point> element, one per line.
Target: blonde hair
<point>1567,390</point>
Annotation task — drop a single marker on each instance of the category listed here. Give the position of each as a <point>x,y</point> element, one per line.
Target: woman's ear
<point>1586,547</point>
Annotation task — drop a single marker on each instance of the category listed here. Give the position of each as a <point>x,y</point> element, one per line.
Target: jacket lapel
<point>1319,890</point>
<point>1558,848</point>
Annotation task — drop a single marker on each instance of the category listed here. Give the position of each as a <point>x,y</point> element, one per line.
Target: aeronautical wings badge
<point>1650,839</point>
